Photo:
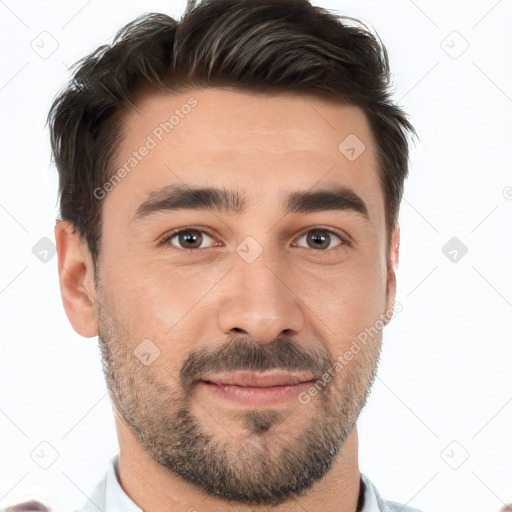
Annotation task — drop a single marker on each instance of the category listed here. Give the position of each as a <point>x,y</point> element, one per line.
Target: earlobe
<point>76,279</point>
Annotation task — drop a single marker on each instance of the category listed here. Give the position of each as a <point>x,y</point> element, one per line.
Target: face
<point>226,317</point>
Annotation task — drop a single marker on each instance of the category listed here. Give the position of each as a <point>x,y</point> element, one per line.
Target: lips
<point>259,380</point>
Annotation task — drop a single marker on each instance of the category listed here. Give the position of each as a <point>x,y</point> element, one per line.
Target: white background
<point>444,390</point>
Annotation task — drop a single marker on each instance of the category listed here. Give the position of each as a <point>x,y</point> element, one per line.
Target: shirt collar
<point>116,500</point>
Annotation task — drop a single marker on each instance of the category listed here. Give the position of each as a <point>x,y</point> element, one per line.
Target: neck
<point>152,487</point>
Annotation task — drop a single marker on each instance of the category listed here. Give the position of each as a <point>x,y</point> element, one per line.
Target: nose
<point>258,301</point>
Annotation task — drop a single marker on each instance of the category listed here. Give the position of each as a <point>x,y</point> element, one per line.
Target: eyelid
<point>342,236</point>
<point>166,238</point>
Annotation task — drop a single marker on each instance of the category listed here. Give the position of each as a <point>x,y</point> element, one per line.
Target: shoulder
<point>393,506</point>
<point>374,502</point>
<point>96,499</point>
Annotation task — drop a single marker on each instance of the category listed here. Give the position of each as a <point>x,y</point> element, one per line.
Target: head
<point>229,196</point>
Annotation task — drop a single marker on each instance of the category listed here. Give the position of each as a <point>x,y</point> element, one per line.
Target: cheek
<point>354,308</point>
<point>159,302</point>
<point>346,301</point>
<point>358,284</point>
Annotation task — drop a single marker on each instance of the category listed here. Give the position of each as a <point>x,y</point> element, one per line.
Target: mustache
<point>248,355</point>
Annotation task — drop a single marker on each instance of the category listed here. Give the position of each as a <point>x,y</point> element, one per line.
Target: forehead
<point>261,144</point>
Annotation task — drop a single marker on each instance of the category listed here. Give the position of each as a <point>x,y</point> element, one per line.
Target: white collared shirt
<point>109,496</point>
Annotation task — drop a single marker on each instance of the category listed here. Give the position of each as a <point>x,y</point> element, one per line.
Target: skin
<point>267,147</point>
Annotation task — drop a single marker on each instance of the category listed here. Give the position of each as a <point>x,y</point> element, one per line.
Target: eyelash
<point>166,239</point>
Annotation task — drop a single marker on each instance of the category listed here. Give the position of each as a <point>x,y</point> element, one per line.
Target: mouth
<point>256,389</point>
<point>259,380</point>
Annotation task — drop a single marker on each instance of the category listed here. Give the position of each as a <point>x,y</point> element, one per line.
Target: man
<point>229,191</point>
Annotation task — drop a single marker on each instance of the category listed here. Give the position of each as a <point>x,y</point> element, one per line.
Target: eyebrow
<point>232,201</point>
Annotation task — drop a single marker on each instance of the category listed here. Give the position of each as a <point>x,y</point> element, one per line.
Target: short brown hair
<point>267,46</point>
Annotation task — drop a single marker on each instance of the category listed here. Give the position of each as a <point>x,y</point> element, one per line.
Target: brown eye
<point>320,239</point>
<point>186,238</point>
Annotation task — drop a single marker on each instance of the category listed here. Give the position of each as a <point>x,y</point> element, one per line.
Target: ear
<point>76,279</point>
<point>392,265</point>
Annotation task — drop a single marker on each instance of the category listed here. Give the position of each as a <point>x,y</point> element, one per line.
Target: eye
<point>192,238</point>
<point>320,239</point>
<point>189,238</point>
